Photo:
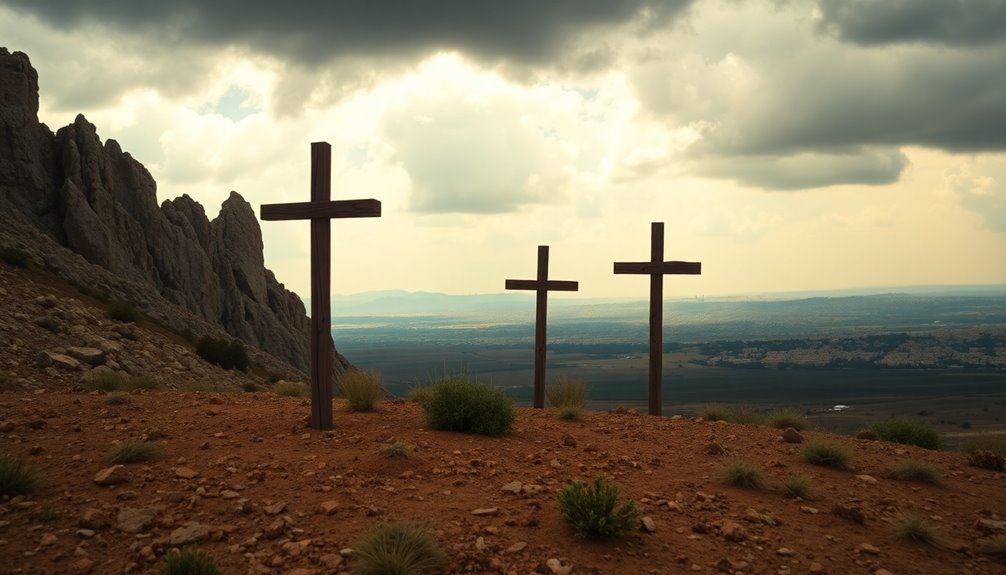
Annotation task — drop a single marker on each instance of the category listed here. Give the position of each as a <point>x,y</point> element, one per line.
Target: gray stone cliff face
<point>99,202</point>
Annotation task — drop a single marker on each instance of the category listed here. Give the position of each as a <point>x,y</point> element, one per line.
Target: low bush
<point>397,448</point>
<point>124,311</point>
<point>15,256</point>
<point>459,403</point>
<point>590,510</point>
<point>362,389</point>
<point>419,394</point>
<point>143,381</point>
<point>714,413</point>
<point>190,562</point>
<point>741,473</point>
<point>571,413</point>
<point>249,387</point>
<point>987,460</point>
<point>291,389</point>
<point>993,442</point>
<point>105,380</point>
<point>908,431</point>
<point>912,470</point>
<point>228,354</point>
<point>914,528</point>
<point>133,452</point>
<point>397,547</point>
<point>731,414</point>
<point>566,391</point>
<point>18,477</point>
<point>783,418</point>
<point>796,486</point>
<point>826,454</point>
<point>117,399</point>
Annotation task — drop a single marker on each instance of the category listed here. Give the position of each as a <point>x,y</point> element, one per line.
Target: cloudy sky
<point>786,144</point>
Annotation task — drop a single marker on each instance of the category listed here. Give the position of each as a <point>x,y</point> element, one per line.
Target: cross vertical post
<point>656,268</point>
<point>542,285</point>
<point>321,210</point>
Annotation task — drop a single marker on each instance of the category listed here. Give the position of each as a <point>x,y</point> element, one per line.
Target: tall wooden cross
<point>542,286</point>
<point>321,210</point>
<point>656,268</point>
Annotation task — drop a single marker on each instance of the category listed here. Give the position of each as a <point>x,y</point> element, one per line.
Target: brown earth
<point>242,477</point>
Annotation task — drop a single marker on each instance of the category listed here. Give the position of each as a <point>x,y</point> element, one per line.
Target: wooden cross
<point>656,268</point>
<point>320,210</point>
<point>542,286</point>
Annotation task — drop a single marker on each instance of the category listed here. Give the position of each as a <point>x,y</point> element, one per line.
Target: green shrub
<point>571,412</point>
<point>117,399</point>
<point>228,354</point>
<point>992,442</point>
<point>740,473</point>
<point>397,448</point>
<point>912,470</point>
<point>914,528</point>
<point>105,380</point>
<point>362,389</point>
<point>14,256</point>
<point>397,547</point>
<point>796,486</point>
<point>190,562</point>
<point>17,477</point>
<point>458,403</point>
<point>143,381</point>
<point>908,431</point>
<point>714,413</point>
<point>133,452</point>
<point>249,387</point>
<point>419,394</point>
<point>783,418</point>
<point>566,392</point>
<point>205,387</point>
<point>590,510</point>
<point>291,389</point>
<point>274,378</point>
<point>123,311</point>
<point>826,454</point>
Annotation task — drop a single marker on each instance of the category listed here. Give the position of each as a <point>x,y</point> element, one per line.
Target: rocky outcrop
<point>99,202</point>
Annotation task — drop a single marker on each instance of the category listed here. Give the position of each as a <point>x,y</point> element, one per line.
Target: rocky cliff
<point>96,201</point>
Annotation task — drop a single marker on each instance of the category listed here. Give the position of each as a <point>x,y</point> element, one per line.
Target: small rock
<point>790,435</point>
<point>112,476</point>
<point>94,519</point>
<point>868,479</point>
<point>331,560</point>
<point>88,355</point>
<point>784,552</point>
<point>568,440</point>
<point>990,526</point>
<point>513,487</point>
<point>647,524</point>
<point>328,507</point>
<point>275,508</point>
<point>557,567</point>
<point>191,532</point>
<point>882,572</point>
<point>815,568</point>
<point>488,511</point>
<point>47,540</point>
<point>517,547</point>
<point>135,520</point>
<point>715,449</point>
<point>82,566</point>
<point>850,512</point>
<point>186,473</point>
<point>867,548</point>
<point>85,533</point>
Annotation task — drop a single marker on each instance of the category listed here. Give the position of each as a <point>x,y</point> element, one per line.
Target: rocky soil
<point>242,477</point>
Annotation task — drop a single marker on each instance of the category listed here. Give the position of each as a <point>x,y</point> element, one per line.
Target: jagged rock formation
<point>100,203</point>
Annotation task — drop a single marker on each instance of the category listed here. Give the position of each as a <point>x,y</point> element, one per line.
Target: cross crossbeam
<point>321,210</point>
<point>542,285</point>
<point>656,268</point>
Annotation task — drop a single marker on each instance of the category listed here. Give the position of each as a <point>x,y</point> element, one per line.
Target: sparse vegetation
<point>731,414</point>
<point>291,389</point>
<point>590,510</point>
<point>15,256</point>
<point>399,547</point>
<point>124,311</point>
<point>796,486</point>
<point>908,431</point>
<point>228,354</point>
<point>571,413</point>
<point>566,392</point>
<point>143,381</point>
<point>362,389</point>
<point>913,470</point>
<point>133,452</point>
<point>249,387</point>
<point>714,413</point>
<point>419,394</point>
<point>204,387</point>
<point>17,477</point>
<point>826,454</point>
<point>741,473</point>
<point>783,418</point>
<point>117,399</point>
<point>914,528</point>
<point>459,403</point>
<point>397,448</point>
<point>190,562</point>
<point>105,380</point>
<point>987,460</point>
<point>993,442</point>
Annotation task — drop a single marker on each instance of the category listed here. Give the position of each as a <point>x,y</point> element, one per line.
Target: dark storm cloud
<point>951,22</point>
<point>528,31</point>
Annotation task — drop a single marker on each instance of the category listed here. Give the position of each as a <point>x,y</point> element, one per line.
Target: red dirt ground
<point>252,451</point>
